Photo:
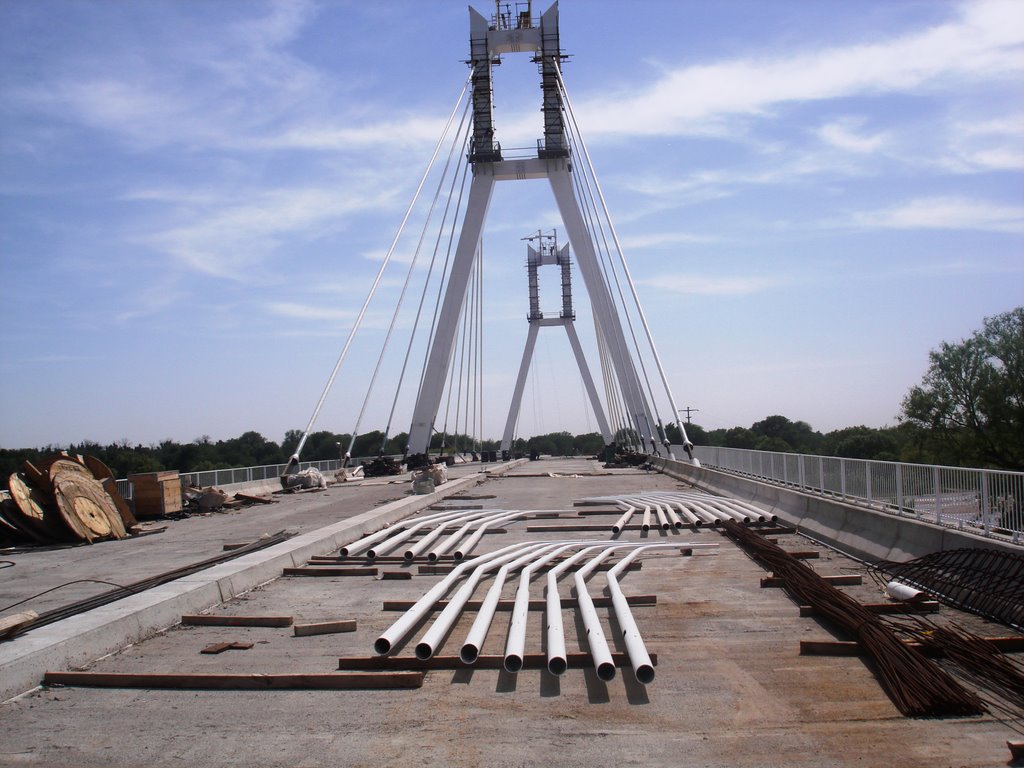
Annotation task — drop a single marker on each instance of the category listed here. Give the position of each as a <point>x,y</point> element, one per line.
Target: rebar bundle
<point>987,582</point>
<point>977,659</point>
<point>917,686</point>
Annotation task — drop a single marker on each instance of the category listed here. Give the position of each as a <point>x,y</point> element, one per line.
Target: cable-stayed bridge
<point>437,326</point>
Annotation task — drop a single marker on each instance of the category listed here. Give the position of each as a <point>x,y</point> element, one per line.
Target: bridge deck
<point>731,687</point>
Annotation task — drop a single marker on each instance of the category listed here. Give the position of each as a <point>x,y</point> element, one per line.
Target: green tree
<point>971,399</point>
<point>861,443</point>
<point>798,435</point>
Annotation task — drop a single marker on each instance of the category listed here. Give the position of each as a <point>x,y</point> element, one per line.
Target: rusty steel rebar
<point>916,685</point>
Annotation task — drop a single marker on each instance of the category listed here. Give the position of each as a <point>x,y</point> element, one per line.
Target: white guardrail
<point>987,501</point>
<point>219,477</point>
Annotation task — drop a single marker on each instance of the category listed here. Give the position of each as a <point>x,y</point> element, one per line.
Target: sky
<point>195,198</point>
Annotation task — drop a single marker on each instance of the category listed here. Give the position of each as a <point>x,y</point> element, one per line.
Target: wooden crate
<point>156,493</point>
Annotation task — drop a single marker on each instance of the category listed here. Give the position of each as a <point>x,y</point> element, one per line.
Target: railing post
<point>867,480</point>
<point>842,478</point>
<point>937,482</point>
<point>801,470</point>
<point>986,511</point>
<point>899,488</point>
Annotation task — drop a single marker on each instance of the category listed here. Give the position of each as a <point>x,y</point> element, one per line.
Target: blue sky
<point>195,197</point>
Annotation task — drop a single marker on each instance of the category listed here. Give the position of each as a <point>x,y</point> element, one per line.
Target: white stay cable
<point>604,255</point>
<point>294,460</point>
<point>605,252</point>
<point>405,285</point>
<point>625,267</point>
<point>426,284</point>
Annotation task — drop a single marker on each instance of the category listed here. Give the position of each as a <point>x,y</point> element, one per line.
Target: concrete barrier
<point>865,533</point>
<point>85,637</point>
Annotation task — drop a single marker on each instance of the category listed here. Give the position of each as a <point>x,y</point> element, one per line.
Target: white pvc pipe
<point>674,518</point>
<point>599,652</point>
<point>515,642</point>
<point>557,662</point>
<point>662,517</point>
<point>400,628</point>
<point>360,545</point>
<point>401,537</point>
<point>478,632</point>
<point>639,659</point>
<point>421,545</point>
<point>620,524</point>
<point>473,540</point>
<point>646,524</point>
<point>456,537</point>
<point>442,625</point>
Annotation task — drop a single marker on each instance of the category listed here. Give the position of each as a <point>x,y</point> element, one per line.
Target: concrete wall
<point>857,530</point>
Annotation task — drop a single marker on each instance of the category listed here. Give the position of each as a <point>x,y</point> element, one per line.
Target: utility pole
<point>688,410</point>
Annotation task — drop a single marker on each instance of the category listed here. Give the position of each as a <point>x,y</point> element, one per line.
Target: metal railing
<point>219,477</point>
<point>986,501</point>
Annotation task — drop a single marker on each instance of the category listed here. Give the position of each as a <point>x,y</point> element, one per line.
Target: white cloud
<point>995,144</point>
<point>239,235</point>
<point>656,239</point>
<point>307,312</point>
<point>944,213</point>
<point>983,42</point>
<point>702,285</point>
<point>843,134</point>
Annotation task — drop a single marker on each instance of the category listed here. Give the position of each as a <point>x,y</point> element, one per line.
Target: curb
<point>88,636</point>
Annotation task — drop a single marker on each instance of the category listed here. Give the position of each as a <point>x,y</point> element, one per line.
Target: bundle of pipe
<point>679,509</point>
<point>389,539</point>
<point>917,686</point>
<point>531,557</point>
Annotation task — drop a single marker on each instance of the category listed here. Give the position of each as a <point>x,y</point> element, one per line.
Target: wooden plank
<point>367,561</point>
<point>330,571</point>
<point>207,620</point>
<point>535,605</point>
<point>11,625</point>
<point>221,647</point>
<point>239,682</point>
<point>841,580</point>
<point>325,628</point>
<point>578,528</point>
<point>804,554</point>
<point>254,499</point>
<point>530,661</point>
<point>927,606</point>
<point>773,530</point>
<point>829,648</point>
<point>395,575</point>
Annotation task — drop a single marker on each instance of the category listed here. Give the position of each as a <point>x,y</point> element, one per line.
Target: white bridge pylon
<point>535,258</point>
<point>487,41</point>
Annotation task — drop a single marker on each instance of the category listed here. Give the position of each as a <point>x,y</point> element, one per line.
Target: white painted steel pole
<point>639,659</point>
<point>515,642</point>
<point>557,662</point>
<point>442,625</point>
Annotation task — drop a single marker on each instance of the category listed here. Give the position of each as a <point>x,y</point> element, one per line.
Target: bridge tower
<point>514,33</point>
<point>547,253</point>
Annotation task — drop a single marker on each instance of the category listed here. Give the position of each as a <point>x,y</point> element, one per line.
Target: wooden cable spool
<point>86,506</point>
<point>125,511</point>
<point>31,513</point>
<point>67,465</point>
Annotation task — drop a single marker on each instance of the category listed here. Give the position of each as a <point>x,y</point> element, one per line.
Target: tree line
<point>967,411</point>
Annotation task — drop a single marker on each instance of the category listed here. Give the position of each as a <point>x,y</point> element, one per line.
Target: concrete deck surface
<point>731,688</point>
